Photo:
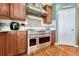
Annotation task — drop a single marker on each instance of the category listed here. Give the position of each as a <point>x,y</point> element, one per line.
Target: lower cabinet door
<point>21,42</point>
<point>13,43</point>
<point>52,37</point>
<point>10,44</point>
<point>2,36</point>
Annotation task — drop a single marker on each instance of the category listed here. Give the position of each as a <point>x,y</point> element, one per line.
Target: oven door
<point>33,45</point>
<point>33,41</point>
<point>44,41</point>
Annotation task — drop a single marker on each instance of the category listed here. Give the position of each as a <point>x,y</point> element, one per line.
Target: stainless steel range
<point>38,39</point>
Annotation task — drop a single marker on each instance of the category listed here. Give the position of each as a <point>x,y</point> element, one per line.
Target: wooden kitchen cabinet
<point>10,44</point>
<point>48,19</point>
<point>12,11</point>
<point>21,42</point>
<point>2,38</point>
<point>17,11</point>
<point>13,43</point>
<point>52,37</point>
<point>4,10</point>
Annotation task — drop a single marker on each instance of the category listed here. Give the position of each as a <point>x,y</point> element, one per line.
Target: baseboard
<point>76,46</point>
<point>64,44</point>
<point>56,44</point>
<point>20,54</point>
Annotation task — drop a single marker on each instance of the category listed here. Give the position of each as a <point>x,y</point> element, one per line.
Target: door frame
<point>76,23</point>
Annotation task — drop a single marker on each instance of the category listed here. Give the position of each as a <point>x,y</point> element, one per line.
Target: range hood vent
<point>36,11</point>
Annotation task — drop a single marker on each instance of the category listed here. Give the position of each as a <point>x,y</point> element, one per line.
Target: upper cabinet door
<point>48,19</point>
<point>17,11</point>
<point>4,9</point>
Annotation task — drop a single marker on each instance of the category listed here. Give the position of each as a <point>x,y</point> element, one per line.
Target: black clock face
<point>14,26</point>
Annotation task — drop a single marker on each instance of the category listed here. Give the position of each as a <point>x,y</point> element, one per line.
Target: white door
<point>66,26</point>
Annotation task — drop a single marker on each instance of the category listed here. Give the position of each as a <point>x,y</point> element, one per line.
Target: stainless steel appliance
<point>36,11</point>
<point>38,39</point>
<point>32,41</point>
